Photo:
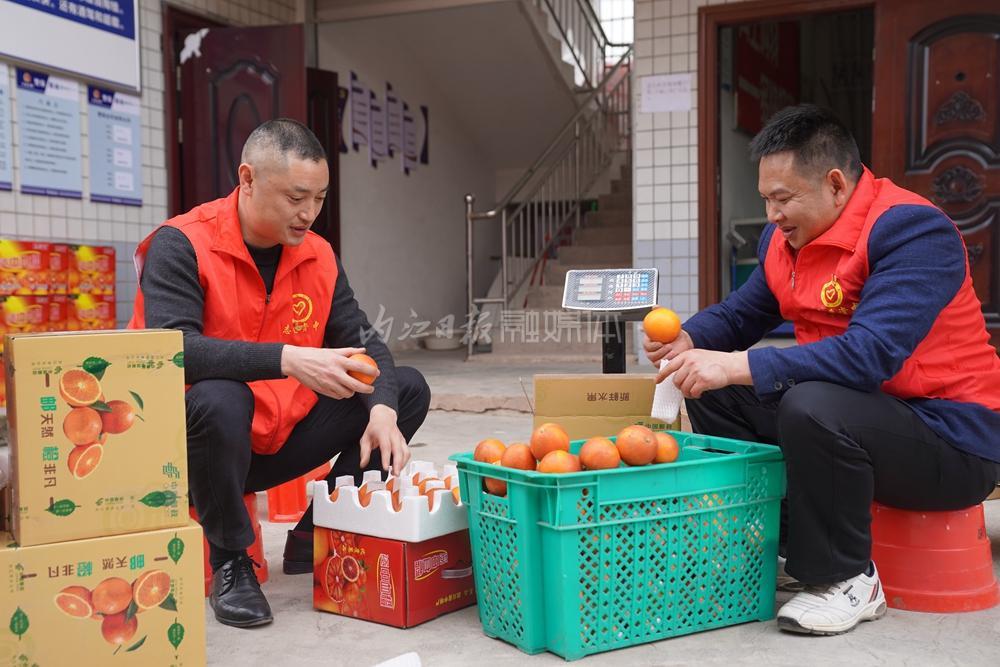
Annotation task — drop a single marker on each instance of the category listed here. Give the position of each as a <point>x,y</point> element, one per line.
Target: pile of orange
<point>425,484</point>
<point>548,452</point>
<point>90,420</point>
<point>117,603</point>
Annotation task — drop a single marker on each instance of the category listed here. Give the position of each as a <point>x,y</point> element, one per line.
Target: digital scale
<point>614,296</point>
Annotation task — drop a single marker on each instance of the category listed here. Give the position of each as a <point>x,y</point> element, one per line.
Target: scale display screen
<point>609,289</point>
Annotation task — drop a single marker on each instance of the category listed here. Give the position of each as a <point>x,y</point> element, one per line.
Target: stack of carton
<point>394,552</point>
<point>101,564</point>
<point>91,288</point>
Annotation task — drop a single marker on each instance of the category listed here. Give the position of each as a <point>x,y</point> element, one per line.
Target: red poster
<point>766,70</point>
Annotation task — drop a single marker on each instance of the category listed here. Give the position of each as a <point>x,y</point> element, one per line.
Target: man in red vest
<point>269,324</point>
<point>893,391</point>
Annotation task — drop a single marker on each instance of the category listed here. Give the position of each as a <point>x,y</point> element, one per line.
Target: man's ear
<point>247,178</point>
<point>837,181</point>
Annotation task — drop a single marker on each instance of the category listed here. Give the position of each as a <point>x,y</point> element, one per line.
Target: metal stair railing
<point>582,35</point>
<point>545,203</point>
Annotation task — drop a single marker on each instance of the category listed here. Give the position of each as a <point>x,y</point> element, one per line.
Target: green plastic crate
<point>586,562</point>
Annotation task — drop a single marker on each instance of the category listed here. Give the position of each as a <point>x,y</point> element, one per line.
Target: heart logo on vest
<point>831,295</point>
<point>302,307</point>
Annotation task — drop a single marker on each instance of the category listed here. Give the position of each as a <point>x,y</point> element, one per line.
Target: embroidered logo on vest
<point>831,294</point>
<point>302,310</point>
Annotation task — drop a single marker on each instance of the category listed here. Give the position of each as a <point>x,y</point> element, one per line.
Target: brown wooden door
<point>239,78</point>
<point>936,125</point>
<point>321,109</point>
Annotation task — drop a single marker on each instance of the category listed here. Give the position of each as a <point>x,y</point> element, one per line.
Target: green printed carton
<point>97,431</point>
<point>124,600</point>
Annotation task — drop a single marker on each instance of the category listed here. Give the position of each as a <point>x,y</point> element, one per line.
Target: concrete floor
<point>302,636</point>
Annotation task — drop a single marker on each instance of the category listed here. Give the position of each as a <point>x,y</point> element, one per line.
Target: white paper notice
<point>665,92</point>
<point>121,134</point>
<point>124,181</point>
<point>122,157</point>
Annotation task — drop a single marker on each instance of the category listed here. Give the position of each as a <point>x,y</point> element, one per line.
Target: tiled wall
<point>666,153</point>
<point>81,221</point>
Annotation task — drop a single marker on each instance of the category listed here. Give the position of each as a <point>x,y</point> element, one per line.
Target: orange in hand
<point>362,377</point>
<point>661,325</point>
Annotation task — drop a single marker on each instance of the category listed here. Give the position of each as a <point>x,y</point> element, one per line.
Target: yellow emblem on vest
<point>302,307</point>
<point>831,295</point>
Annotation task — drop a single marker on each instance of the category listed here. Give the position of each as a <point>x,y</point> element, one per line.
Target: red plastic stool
<point>256,550</point>
<point>287,502</point>
<point>934,561</point>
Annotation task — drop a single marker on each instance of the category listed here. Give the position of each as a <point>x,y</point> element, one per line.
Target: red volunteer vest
<point>819,290</point>
<point>237,307</point>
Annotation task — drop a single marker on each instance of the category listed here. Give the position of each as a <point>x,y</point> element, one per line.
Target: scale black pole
<point>614,297</point>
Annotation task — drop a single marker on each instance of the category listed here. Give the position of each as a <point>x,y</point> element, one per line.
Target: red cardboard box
<point>23,314</point>
<point>402,584</point>
<point>58,269</point>
<point>91,269</point>
<point>57,312</point>
<point>24,267</point>
<point>88,312</point>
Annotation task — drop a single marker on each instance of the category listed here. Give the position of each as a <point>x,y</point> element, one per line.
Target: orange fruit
<point>349,568</point>
<point>75,601</point>
<point>84,459</point>
<point>637,445</point>
<point>547,438</point>
<point>111,596</point>
<point>332,579</point>
<point>495,486</point>
<point>365,493</point>
<point>558,461</point>
<point>661,325</point>
<point>457,495</point>
<point>422,486</point>
<point>667,448</point>
<point>599,454</point>
<point>489,450</point>
<point>150,589</point>
<point>82,426</point>
<point>518,456</point>
<point>79,388</point>
<point>116,630</point>
<point>120,419</point>
<point>363,377</point>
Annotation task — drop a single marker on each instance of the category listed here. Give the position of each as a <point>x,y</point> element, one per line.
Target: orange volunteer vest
<point>237,307</point>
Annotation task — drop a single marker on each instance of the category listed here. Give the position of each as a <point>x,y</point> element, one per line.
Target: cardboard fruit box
<point>89,312</point>
<point>91,269</point>
<point>97,433</point>
<point>123,600</point>
<point>23,314</point>
<point>389,581</point>
<point>587,405</point>
<point>24,266</point>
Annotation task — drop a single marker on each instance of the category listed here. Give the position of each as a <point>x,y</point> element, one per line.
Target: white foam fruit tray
<point>414,522</point>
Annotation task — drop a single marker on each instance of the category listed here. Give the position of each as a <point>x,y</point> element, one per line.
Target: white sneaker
<point>833,609</point>
<point>787,582</point>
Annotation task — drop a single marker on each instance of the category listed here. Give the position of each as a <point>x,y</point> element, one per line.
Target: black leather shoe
<point>236,597</point>
<point>298,552</point>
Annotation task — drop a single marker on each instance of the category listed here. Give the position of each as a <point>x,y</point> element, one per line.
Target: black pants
<point>222,467</point>
<point>844,448</point>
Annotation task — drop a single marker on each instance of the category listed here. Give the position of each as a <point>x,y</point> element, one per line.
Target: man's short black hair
<point>284,138</point>
<point>815,136</point>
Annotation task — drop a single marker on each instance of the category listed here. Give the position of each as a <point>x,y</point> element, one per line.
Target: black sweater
<point>174,299</point>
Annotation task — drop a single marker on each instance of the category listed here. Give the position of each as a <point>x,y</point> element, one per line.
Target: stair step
<point>603,235</point>
<point>608,218</point>
<point>586,254</point>
<point>545,297</point>
<point>620,201</point>
<point>555,272</point>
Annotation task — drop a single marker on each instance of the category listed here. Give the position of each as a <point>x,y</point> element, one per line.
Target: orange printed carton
<point>24,267</point>
<point>23,314</point>
<point>91,269</point>
<point>58,269</point>
<point>90,312</point>
<point>97,434</point>
<point>58,304</point>
<point>123,600</point>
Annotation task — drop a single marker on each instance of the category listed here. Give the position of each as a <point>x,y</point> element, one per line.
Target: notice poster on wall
<point>377,146</point>
<point>360,113</point>
<point>6,151</point>
<point>410,155</point>
<point>114,121</point>
<point>48,111</point>
<point>394,121</point>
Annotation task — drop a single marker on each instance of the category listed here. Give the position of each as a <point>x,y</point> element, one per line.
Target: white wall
<point>403,237</point>
<point>80,221</point>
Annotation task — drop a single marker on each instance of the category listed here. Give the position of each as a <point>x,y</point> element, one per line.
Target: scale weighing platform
<point>616,296</point>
